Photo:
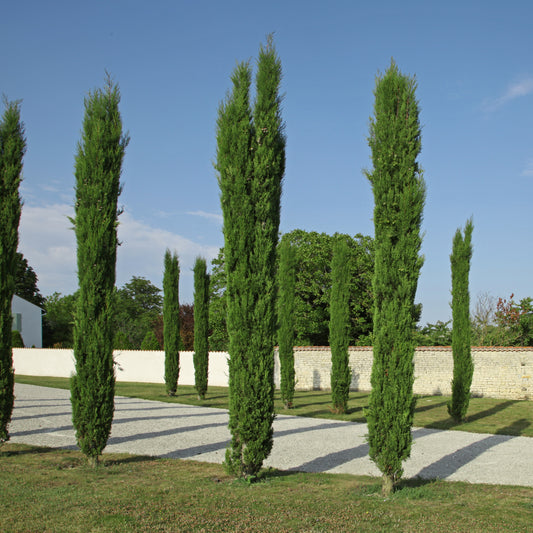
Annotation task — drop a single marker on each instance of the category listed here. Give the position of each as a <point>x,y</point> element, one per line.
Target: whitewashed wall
<point>498,372</point>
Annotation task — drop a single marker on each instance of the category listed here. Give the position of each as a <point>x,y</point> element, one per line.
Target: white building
<point>27,318</point>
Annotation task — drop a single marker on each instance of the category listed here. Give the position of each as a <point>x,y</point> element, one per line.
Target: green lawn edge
<point>485,415</point>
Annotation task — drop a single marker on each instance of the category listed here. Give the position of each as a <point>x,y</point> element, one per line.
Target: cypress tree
<point>286,310</point>
<point>251,164</point>
<point>98,168</point>
<point>463,367</point>
<point>339,325</point>
<point>171,321</point>
<point>150,342</point>
<point>201,327</point>
<point>12,149</point>
<point>399,195</point>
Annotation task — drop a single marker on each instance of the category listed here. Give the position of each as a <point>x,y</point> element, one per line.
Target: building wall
<point>498,372</point>
<point>27,318</point>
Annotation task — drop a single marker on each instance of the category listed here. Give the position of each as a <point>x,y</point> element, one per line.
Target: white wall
<point>130,365</point>
<point>31,328</point>
<point>498,372</point>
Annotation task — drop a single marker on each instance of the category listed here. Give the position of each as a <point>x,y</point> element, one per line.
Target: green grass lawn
<point>44,489</point>
<point>485,415</point>
<point>55,491</point>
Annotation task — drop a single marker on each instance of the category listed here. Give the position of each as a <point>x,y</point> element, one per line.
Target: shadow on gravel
<point>40,404</point>
<point>48,415</point>
<point>332,460</point>
<point>165,433</point>
<point>336,459</point>
<point>41,430</point>
<point>193,451</point>
<point>451,463</point>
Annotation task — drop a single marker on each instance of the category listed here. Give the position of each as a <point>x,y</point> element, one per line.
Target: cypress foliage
<point>286,312</point>
<point>201,327</point>
<point>98,167</point>
<point>12,149</point>
<point>150,342</point>
<point>399,195</point>
<point>171,321</point>
<point>463,366</point>
<point>251,164</point>
<point>339,325</point>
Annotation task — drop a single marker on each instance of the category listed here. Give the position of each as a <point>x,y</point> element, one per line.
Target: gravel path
<point>42,416</point>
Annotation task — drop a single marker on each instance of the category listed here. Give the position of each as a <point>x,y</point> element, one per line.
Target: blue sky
<point>173,61</point>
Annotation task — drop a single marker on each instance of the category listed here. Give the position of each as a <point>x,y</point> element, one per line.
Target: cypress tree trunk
<point>463,367</point>
<point>171,322</point>
<point>98,167</point>
<point>201,327</point>
<point>399,194</point>
<point>286,309</point>
<point>251,164</point>
<point>339,325</point>
<point>12,148</point>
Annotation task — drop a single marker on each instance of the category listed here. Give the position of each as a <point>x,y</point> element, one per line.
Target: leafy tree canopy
<point>26,282</point>
<point>58,324</point>
<point>313,254</point>
<point>138,305</point>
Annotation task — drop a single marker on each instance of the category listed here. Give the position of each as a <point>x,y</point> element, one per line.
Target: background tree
<point>201,327</point>
<point>187,327</point>
<point>339,329</point>
<point>59,319</point>
<point>251,164</point>
<point>97,169</point>
<point>514,321</point>
<point>138,304</point>
<point>286,301</point>
<point>399,194</point>
<point>483,319</point>
<point>438,334</point>
<point>12,149</point>
<point>26,282</point>
<point>150,342</point>
<point>463,366</point>
<point>171,314</point>
<point>218,330</point>
<point>16,339</point>
<point>313,253</point>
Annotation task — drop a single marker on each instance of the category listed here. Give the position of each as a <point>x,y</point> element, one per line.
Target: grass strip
<point>45,489</point>
<point>485,415</point>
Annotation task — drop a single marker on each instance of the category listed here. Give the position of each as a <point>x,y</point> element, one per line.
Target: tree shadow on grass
<point>25,449</point>
<point>130,459</point>
<point>517,428</point>
<point>449,423</point>
<point>492,411</point>
<point>429,407</point>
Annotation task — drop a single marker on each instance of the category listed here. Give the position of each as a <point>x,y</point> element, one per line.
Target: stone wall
<point>498,372</point>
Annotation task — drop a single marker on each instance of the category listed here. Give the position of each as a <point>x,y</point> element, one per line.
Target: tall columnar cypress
<point>171,321</point>
<point>12,148</point>
<point>399,195</point>
<point>251,164</point>
<point>339,325</point>
<point>463,366</point>
<point>286,310</point>
<point>98,168</point>
<point>201,327</point>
